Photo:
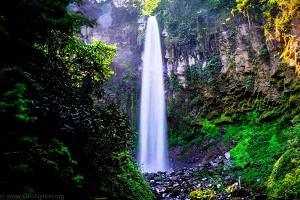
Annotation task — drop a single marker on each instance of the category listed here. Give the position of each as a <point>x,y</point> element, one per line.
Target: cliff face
<point>230,66</point>
<point>114,24</point>
<point>117,22</point>
<point>216,63</point>
<point>244,52</point>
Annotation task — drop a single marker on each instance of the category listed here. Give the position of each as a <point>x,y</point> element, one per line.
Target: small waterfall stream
<point>153,154</point>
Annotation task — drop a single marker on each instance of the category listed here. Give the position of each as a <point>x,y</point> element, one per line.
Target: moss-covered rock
<point>284,181</point>
<point>202,194</point>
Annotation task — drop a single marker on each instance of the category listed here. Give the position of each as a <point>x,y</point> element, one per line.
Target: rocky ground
<point>209,171</point>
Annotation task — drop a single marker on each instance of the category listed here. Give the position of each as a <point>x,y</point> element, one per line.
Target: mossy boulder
<point>284,181</point>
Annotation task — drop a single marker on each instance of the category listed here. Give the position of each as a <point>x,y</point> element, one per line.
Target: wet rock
<point>227,155</point>
<point>214,174</point>
<point>260,197</point>
<point>175,178</point>
<point>227,162</point>
<point>240,193</point>
<point>229,177</point>
<point>222,130</point>
<point>213,164</point>
<point>175,193</point>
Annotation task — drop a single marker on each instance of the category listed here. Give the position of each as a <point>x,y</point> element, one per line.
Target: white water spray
<point>153,154</point>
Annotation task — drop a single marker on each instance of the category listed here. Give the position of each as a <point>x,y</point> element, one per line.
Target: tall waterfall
<point>153,154</point>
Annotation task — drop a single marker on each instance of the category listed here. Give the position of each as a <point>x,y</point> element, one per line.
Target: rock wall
<point>115,25</point>
<point>244,53</point>
<point>251,63</point>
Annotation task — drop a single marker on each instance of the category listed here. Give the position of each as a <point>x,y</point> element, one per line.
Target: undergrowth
<point>266,154</point>
<point>259,147</point>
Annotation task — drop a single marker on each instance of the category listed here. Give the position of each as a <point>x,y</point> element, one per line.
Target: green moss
<point>295,86</point>
<point>296,119</point>
<point>293,98</point>
<point>284,181</point>
<point>240,156</point>
<point>252,117</point>
<point>258,148</point>
<point>202,194</point>
<point>123,180</point>
<point>223,118</point>
<point>209,129</point>
<point>274,145</point>
<point>268,115</point>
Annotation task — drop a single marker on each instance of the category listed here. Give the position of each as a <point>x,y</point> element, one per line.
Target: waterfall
<point>153,154</point>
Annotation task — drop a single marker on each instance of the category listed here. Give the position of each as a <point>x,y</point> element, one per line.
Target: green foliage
<point>149,6</point>
<point>202,194</point>
<point>212,72</point>
<point>175,82</point>
<point>209,129</point>
<point>182,31</point>
<point>114,174</point>
<point>87,65</point>
<point>274,145</point>
<point>124,89</point>
<point>250,9</point>
<point>123,181</point>
<point>78,179</point>
<point>252,117</point>
<point>223,119</point>
<point>264,54</point>
<point>53,138</point>
<point>249,82</point>
<point>279,15</point>
<point>55,157</point>
<point>188,23</point>
<point>193,74</point>
<point>30,139</point>
<point>15,104</point>
<point>185,138</point>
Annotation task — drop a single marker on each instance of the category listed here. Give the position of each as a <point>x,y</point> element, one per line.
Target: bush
<point>112,172</point>
<point>123,180</point>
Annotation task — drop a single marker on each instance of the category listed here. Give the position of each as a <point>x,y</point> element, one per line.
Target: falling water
<point>153,154</point>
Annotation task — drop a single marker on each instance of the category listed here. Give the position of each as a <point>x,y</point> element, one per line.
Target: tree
<point>49,80</point>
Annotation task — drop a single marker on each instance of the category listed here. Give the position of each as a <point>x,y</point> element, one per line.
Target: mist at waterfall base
<point>153,154</point>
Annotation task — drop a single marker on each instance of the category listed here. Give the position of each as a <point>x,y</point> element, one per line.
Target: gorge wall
<point>218,63</point>
<point>222,64</point>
